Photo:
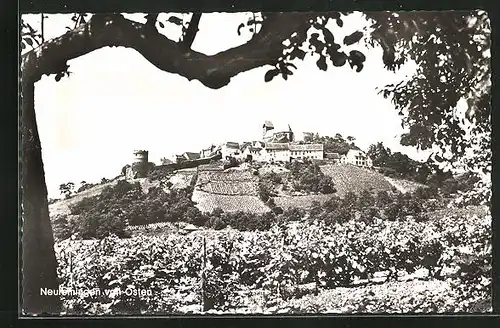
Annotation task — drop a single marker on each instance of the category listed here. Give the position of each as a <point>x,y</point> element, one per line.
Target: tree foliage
<point>337,144</point>
<point>452,53</point>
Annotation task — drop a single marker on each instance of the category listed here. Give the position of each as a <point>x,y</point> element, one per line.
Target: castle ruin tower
<point>140,165</point>
<point>140,157</point>
<point>267,128</point>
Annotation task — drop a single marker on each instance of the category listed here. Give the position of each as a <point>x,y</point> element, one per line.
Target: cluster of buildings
<point>276,146</point>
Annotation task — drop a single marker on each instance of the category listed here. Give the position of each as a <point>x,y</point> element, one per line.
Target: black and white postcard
<point>255,163</point>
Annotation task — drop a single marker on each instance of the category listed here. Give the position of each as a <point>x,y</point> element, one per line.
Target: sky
<point>115,101</point>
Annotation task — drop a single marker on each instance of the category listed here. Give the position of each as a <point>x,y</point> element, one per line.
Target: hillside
<point>236,189</point>
<point>404,186</point>
<point>356,179</point>
<point>62,206</point>
<point>303,202</point>
<point>231,190</point>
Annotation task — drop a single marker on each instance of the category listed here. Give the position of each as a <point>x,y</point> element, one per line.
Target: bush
<point>264,191</point>
<point>449,187</point>
<point>332,204</point>
<point>61,228</point>
<point>308,176</point>
<point>294,214</point>
<point>366,199</point>
<point>424,193</point>
<point>274,177</point>
<point>92,226</point>
<point>393,211</point>
<point>125,203</point>
<point>382,199</point>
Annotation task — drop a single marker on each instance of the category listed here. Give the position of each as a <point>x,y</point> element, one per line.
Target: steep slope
<point>231,190</point>
<point>353,178</point>
<point>404,186</point>
<point>62,206</point>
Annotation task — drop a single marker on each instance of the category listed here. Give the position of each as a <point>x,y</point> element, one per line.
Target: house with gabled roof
<point>334,157</point>
<point>253,151</point>
<point>230,149</point>
<point>356,157</point>
<point>306,151</point>
<point>191,156</point>
<point>276,152</point>
<point>207,152</point>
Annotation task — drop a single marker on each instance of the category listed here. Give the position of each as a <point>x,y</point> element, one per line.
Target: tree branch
<point>213,71</point>
<point>151,20</point>
<point>192,29</point>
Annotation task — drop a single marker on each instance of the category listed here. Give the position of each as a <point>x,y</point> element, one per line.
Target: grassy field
<point>404,186</point>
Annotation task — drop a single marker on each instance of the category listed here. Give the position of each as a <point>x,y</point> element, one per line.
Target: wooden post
<point>42,27</point>
<point>203,268</point>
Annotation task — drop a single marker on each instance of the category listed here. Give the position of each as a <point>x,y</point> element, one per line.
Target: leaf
<point>356,58</point>
<point>161,24</point>
<point>329,38</point>
<point>286,71</point>
<point>353,38</point>
<point>338,59</point>
<point>321,63</point>
<point>291,65</point>
<point>340,23</point>
<point>58,78</point>
<point>297,53</point>
<point>23,45</point>
<point>175,20</point>
<point>240,27</point>
<point>29,41</point>
<point>271,74</point>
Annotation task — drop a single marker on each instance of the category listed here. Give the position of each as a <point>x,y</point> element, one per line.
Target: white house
<point>306,151</point>
<point>230,149</point>
<point>251,152</point>
<point>356,157</point>
<point>275,152</point>
<point>207,152</point>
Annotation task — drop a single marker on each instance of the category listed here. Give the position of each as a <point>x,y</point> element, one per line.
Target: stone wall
<point>138,170</point>
<point>186,164</point>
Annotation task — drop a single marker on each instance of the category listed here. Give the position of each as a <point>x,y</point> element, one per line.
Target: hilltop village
<point>275,146</point>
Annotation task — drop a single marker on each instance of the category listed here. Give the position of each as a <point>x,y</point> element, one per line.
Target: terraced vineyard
<point>230,190</point>
<point>183,178</point>
<point>229,182</point>
<point>207,202</point>
<point>352,178</point>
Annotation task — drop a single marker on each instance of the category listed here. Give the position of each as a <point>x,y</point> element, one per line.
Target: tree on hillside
<point>379,154</point>
<point>67,189</point>
<point>455,44</point>
<point>334,145</point>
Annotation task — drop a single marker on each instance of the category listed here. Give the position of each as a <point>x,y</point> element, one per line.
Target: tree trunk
<point>39,265</point>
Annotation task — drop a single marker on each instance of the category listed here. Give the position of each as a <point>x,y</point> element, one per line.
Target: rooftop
<point>297,147</point>
<point>268,124</point>
<point>277,146</point>
<point>191,156</point>
<point>232,145</point>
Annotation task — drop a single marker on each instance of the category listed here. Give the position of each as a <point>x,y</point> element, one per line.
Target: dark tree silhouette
<point>424,102</point>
